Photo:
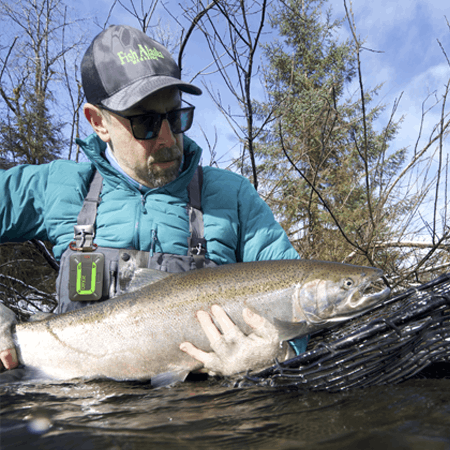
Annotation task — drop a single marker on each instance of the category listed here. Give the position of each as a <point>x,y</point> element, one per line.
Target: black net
<point>392,343</point>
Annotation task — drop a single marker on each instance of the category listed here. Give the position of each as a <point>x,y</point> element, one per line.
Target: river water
<point>209,415</point>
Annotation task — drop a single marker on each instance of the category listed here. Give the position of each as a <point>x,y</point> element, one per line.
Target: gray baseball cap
<point>123,65</point>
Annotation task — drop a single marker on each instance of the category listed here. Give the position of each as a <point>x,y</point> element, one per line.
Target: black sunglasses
<point>146,126</point>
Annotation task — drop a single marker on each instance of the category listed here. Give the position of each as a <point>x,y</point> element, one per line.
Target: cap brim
<point>134,93</point>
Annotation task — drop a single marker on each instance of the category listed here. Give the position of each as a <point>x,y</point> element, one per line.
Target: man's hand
<point>233,351</point>
<point>8,359</point>
<point>8,355</point>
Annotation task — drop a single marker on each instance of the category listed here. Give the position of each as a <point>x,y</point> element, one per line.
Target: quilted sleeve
<point>262,237</point>
<point>22,203</point>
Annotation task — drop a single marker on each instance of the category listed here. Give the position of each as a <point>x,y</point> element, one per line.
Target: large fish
<point>137,335</point>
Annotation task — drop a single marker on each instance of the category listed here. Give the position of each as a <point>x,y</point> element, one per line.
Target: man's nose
<point>165,134</point>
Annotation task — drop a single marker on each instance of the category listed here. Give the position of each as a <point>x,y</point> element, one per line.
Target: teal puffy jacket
<point>43,202</point>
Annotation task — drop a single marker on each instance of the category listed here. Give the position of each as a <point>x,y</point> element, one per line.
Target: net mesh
<point>390,344</point>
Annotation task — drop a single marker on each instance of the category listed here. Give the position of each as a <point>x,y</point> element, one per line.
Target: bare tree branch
<point>194,23</point>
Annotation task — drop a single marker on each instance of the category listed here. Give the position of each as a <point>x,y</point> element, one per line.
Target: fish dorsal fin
<point>144,277</point>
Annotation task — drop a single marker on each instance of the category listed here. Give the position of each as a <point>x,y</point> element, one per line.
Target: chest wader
<point>89,273</point>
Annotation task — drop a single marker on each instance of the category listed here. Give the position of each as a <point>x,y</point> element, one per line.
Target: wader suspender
<point>85,229</point>
<point>196,241</point>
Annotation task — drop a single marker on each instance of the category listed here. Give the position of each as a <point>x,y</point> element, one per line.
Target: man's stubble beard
<point>156,176</point>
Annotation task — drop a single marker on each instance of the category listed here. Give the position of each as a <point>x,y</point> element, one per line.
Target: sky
<point>412,64</point>
<point>408,62</point>
<point>413,69</point>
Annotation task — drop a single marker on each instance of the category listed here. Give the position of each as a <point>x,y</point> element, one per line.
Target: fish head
<point>337,292</point>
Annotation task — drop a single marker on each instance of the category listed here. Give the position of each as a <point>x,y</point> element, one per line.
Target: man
<point>146,171</point>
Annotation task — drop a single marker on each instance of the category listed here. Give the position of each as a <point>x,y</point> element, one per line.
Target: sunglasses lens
<point>148,126</point>
<point>181,120</point>
<point>144,127</point>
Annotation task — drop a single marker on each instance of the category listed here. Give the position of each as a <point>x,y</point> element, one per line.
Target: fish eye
<point>348,283</point>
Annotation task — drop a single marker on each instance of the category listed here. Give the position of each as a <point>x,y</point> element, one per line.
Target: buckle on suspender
<point>84,238</point>
<point>197,246</point>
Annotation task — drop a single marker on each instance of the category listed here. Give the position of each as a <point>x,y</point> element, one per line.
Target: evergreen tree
<point>331,162</point>
<point>31,135</point>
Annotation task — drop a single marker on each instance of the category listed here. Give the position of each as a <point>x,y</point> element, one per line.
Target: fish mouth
<point>361,301</point>
<point>370,294</point>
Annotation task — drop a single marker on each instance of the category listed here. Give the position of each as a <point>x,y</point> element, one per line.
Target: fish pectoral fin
<point>290,330</point>
<point>144,277</point>
<point>168,378</point>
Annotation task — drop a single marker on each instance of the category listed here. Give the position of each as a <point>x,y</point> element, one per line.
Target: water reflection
<point>104,415</point>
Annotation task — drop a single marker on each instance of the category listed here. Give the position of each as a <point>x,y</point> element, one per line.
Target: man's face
<point>154,162</point>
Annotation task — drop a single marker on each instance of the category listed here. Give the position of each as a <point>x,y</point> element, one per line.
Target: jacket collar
<point>94,148</point>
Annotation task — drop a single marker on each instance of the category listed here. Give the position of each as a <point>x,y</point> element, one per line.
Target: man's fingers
<point>231,333</point>
<point>196,353</point>
<point>9,358</point>
<point>205,358</point>
<point>211,331</point>
<point>226,324</point>
<point>262,327</point>
<point>252,319</point>
<point>233,351</point>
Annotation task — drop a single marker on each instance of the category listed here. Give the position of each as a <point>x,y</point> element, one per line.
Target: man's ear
<point>97,120</point>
